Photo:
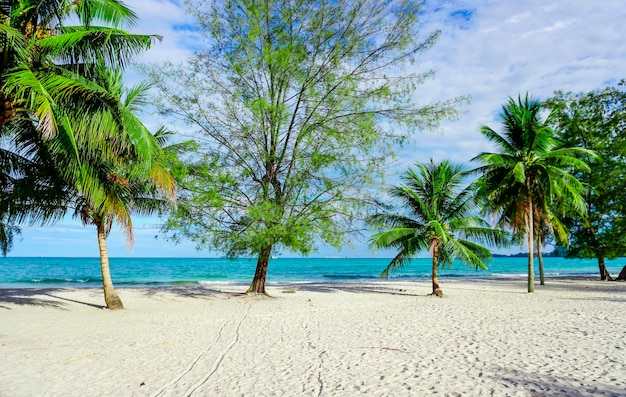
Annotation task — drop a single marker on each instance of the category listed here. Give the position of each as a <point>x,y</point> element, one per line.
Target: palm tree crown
<point>438,214</point>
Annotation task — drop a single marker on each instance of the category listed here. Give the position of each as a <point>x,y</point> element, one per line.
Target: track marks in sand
<point>221,356</point>
<point>197,367</point>
<point>319,374</point>
<point>314,346</point>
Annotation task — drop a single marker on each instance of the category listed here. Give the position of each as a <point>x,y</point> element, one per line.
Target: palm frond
<point>95,44</point>
<point>391,238</point>
<point>399,261</point>
<point>112,12</point>
<point>13,40</point>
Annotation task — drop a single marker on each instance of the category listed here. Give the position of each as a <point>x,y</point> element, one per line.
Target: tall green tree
<point>596,120</point>
<point>529,172</point>
<point>296,104</point>
<point>437,213</point>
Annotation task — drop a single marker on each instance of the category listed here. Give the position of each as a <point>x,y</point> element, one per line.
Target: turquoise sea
<point>19,272</point>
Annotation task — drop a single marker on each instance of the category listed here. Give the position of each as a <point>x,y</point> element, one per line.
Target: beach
<point>484,338</point>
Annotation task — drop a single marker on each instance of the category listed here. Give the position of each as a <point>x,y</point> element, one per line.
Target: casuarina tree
<point>295,106</point>
<point>597,121</point>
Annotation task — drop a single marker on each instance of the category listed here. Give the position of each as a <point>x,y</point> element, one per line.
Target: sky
<point>489,50</point>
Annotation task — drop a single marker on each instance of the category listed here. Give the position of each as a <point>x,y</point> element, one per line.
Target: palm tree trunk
<point>529,240</point>
<point>436,290</point>
<point>258,282</point>
<point>540,258</point>
<point>111,298</point>
<point>604,273</point>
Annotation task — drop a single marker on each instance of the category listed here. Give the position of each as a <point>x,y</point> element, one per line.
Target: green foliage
<point>435,209</point>
<point>295,107</point>
<point>60,112</point>
<point>597,121</point>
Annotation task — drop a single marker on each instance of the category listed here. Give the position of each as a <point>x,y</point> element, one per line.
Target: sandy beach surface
<point>485,338</point>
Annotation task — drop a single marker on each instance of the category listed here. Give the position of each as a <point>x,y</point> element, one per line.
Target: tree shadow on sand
<point>28,297</point>
<point>555,385</point>
<point>187,291</point>
<point>43,297</point>
<point>370,288</point>
<point>583,288</point>
<point>274,291</point>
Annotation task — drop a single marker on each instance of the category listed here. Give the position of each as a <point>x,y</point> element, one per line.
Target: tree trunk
<point>529,240</point>
<point>111,298</point>
<point>436,290</point>
<point>622,275</point>
<point>604,273</point>
<point>258,282</point>
<point>540,258</point>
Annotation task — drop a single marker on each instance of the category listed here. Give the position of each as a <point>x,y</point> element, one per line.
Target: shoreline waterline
<point>154,272</point>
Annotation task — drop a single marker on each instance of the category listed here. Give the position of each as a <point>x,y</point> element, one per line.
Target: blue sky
<point>489,49</point>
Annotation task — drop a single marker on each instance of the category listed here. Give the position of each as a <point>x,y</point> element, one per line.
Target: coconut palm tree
<point>530,171</point>
<point>126,194</point>
<point>134,186</point>
<point>50,105</point>
<point>438,214</point>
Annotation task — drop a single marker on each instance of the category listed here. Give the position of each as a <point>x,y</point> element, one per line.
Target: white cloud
<point>171,21</point>
<point>558,25</point>
<point>512,48</point>
<point>518,18</point>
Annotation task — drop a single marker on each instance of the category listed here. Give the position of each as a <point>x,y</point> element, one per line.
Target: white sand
<point>486,338</point>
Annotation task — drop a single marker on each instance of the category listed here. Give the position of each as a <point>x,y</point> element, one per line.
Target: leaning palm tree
<point>530,171</point>
<point>126,193</point>
<point>132,186</point>
<point>438,215</point>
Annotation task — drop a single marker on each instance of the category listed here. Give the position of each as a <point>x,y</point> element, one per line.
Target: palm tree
<point>438,215</point>
<point>126,194</point>
<point>529,173</point>
<point>50,105</point>
<point>134,186</point>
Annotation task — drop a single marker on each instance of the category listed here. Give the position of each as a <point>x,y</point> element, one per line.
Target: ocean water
<point>20,272</point>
